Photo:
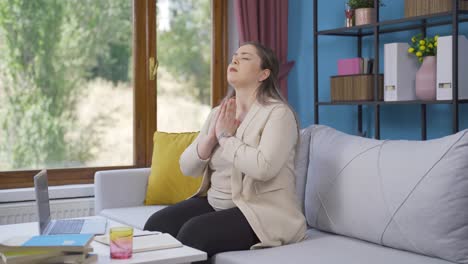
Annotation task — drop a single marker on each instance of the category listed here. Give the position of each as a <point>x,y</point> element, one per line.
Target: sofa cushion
<point>132,216</point>
<point>166,183</point>
<point>325,248</point>
<point>411,195</point>
<point>301,164</point>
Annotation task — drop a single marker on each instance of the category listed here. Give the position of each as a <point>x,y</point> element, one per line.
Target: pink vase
<point>426,79</point>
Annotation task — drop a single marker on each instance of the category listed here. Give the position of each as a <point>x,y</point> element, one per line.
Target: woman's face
<point>244,69</point>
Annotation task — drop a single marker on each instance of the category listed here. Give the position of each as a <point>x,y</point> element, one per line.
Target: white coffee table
<point>179,255</point>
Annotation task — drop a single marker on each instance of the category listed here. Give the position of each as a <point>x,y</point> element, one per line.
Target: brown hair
<point>269,88</point>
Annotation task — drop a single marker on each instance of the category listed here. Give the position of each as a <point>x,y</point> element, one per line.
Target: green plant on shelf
<point>355,4</point>
<point>423,46</point>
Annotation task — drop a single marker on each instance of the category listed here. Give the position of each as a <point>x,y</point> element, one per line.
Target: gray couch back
<point>410,195</point>
<point>302,163</point>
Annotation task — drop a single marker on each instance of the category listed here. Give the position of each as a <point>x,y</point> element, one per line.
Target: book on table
<point>71,248</point>
<point>147,242</point>
<point>48,258</point>
<point>71,259</point>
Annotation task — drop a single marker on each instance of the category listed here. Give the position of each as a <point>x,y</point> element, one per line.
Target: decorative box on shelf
<point>427,7</point>
<point>358,87</point>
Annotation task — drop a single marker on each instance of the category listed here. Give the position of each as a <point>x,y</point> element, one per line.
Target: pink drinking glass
<point>121,242</point>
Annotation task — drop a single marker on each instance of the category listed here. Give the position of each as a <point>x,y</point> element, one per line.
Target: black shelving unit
<point>453,18</point>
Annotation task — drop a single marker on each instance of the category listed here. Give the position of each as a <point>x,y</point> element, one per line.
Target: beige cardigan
<point>262,181</point>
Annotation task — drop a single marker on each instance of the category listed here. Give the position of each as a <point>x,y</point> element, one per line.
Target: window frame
<point>144,99</point>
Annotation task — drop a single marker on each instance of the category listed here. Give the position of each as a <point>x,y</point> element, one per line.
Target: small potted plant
<point>364,11</point>
<point>425,49</point>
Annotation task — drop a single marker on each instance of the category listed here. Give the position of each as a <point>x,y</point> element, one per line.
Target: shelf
<point>347,103</point>
<point>414,102</point>
<point>395,25</point>
<point>416,23</point>
<point>364,30</point>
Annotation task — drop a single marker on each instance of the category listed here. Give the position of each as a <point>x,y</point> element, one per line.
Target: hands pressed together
<point>225,124</point>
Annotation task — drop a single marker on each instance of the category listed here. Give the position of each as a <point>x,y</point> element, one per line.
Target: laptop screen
<point>42,199</point>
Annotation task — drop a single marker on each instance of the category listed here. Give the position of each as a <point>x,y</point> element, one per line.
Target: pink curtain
<point>266,21</point>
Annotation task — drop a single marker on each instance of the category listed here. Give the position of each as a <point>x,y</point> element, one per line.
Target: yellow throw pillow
<point>167,184</point>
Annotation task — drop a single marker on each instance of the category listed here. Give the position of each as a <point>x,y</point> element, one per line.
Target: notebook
<point>71,240</point>
<point>71,226</point>
<point>148,242</point>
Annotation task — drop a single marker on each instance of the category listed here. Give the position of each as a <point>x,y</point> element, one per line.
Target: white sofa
<point>365,201</point>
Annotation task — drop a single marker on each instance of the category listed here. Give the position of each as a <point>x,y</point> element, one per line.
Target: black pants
<point>196,224</point>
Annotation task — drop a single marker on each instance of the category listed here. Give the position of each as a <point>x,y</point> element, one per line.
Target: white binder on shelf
<point>444,68</point>
<point>399,73</point>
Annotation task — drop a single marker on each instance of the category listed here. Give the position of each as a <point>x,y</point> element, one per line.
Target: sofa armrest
<point>120,188</point>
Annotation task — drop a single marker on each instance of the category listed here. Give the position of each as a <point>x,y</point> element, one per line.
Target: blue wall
<point>397,121</point>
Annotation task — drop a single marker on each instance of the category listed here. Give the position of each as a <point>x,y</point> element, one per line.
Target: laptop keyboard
<point>67,227</point>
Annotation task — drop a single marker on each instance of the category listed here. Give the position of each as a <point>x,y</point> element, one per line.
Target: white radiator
<point>21,212</point>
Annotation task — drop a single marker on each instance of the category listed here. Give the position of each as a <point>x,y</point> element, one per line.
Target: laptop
<point>66,226</point>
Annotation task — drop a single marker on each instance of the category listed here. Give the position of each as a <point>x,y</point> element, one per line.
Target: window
<point>75,89</point>
<point>184,55</point>
<point>66,84</point>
